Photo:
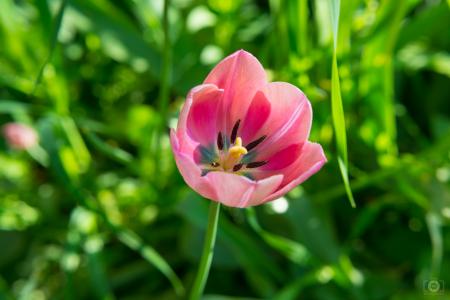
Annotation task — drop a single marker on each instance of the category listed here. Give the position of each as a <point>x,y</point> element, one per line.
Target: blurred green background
<point>98,209</point>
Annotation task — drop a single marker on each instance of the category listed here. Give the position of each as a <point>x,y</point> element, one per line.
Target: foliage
<point>99,211</point>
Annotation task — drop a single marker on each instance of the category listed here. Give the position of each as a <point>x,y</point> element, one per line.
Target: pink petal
<point>20,136</point>
<point>240,75</point>
<point>236,89</point>
<point>239,191</point>
<point>190,171</point>
<point>194,93</point>
<point>230,189</point>
<point>256,116</point>
<point>265,187</point>
<point>289,121</point>
<point>309,162</point>
<point>283,158</point>
<point>201,120</point>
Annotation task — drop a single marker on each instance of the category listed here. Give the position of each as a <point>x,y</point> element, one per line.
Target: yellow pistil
<point>234,155</point>
<point>237,150</point>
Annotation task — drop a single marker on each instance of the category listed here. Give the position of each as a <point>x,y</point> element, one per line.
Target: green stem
<point>164,91</point>
<point>167,64</point>
<point>208,252</point>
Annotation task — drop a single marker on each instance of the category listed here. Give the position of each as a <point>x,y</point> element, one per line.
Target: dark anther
<point>237,167</point>
<point>256,164</point>
<point>219,141</point>
<point>255,143</point>
<point>234,131</point>
<point>214,164</point>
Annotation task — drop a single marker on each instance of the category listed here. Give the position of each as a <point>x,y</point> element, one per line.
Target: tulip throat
<point>234,155</point>
<point>233,158</point>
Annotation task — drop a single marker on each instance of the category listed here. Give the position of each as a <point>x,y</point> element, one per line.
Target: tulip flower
<point>20,136</point>
<point>241,140</point>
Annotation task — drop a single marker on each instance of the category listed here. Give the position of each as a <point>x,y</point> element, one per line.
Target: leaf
<point>98,276</point>
<point>53,42</point>
<point>298,23</point>
<point>337,109</point>
<point>115,153</point>
<point>348,190</point>
<point>293,289</point>
<point>424,25</point>
<point>335,6</point>
<point>294,251</point>
<point>76,142</point>
<point>311,225</point>
<point>13,107</point>
<point>133,241</point>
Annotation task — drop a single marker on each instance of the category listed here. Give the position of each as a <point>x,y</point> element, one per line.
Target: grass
<point>99,210</point>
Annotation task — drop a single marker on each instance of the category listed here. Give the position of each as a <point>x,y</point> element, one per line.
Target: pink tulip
<point>20,136</point>
<point>241,140</point>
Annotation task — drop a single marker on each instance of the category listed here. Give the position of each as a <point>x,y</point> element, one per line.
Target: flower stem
<point>208,252</point>
<point>164,88</point>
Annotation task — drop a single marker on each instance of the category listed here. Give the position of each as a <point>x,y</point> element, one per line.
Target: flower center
<point>234,155</point>
<point>230,157</point>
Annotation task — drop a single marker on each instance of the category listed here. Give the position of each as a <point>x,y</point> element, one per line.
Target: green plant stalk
<point>302,28</point>
<point>208,252</point>
<point>167,62</point>
<point>164,91</point>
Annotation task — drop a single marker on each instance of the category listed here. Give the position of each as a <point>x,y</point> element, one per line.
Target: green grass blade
<point>13,107</point>
<point>292,290</point>
<point>335,6</point>
<point>164,87</point>
<point>114,153</point>
<point>294,251</point>
<point>338,112</point>
<point>53,40</point>
<point>134,242</point>
<point>164,91</point>
<point>434,228</point>
<point>336,105</point>
<point>98,276</point>
<point>76,142</point>
<point>302,30</point>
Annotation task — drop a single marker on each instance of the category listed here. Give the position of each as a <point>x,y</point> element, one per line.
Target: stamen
<point>237,150</point>
<point>215,164</point>
<point>234,131</point>
<point>256,164</point>
<point>234,155</point>
<point>237,167</point>
<point>255,143</point>
<point>219,141</point>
